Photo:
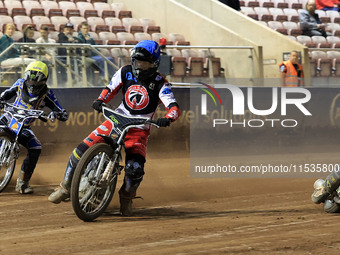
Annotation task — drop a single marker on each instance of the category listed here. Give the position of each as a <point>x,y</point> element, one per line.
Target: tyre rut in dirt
<point>89,198</point>
<point>6,170</point>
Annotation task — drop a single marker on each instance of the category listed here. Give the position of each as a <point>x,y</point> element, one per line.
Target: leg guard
<point>134,171</point>
<point>29,164</point>
<point>332,182</point>
<point>72,164</point>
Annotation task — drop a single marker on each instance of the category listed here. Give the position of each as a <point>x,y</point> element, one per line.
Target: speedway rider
<point>31,93</point>
<point>324,188</point>
<point>143,90</point>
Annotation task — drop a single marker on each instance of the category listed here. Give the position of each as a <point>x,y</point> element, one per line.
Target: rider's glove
<point>63,115</point>
<point>97,105</point>
<point>52,116</point>
<point>163,122</point>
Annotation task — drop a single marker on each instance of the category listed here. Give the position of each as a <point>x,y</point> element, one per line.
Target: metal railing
<point>72,69</point>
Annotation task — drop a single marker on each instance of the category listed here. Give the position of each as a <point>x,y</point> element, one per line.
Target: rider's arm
<point>111,90</point>
<point>168,99</point>
<point>10,92</point>
<point>52,102</point>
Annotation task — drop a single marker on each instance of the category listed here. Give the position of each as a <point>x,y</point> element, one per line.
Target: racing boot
<point>22,185</point>
<point>125,203</point>
<point>59,194</point>
<point>324,188</point>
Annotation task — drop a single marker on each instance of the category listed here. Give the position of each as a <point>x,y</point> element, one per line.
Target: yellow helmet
<point>36,71</point>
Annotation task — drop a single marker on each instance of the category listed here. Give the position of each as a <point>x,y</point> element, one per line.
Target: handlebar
<point>43,118</point>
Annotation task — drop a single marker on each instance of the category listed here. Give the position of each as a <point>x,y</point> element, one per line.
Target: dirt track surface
<point>179,215</point>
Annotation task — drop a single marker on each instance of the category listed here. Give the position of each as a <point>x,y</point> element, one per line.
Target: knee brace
<point>134,171</point>
<point>72,164</point>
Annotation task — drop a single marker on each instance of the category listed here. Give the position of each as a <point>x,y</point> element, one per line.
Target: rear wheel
<point>7,159</point>
<point>90,196</point>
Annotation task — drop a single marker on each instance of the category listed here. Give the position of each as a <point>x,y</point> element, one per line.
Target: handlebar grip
<point>152,122</point>
<point>43,118</point>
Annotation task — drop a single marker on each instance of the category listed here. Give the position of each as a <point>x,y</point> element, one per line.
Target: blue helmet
<point>149,51</point>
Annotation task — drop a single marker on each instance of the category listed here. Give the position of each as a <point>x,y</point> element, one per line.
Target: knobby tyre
<point>7,160</point>
<point>89,196</point>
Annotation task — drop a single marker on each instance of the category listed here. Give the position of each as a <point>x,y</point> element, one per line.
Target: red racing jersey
<point>141,98</point>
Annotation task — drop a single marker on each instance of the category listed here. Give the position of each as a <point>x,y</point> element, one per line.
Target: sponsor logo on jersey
<point>152,86</point>
<point>136,97</point>
<point>166,91</point>
<point>130,77</point>
<point>102,127</point>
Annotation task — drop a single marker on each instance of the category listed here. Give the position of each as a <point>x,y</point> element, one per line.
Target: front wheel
<point>90,196</point>
<point>7,159</point>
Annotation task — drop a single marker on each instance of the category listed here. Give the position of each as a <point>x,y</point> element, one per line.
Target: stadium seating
<point>194,62</point>
<point>179,65</point>
<point>306,40</point>
<point>113,24</point>
<point>263,14</point>
<point>292,28</point>
<point>108,36</point>
<point>280,4</point>
<point>334,41</point>
<point>47,5</point>
<point>132,25</point>
<point>278,14</point>
<point>216,62</point>
<point>324,63</point>
<point>292,14</point>
<point>149,26</point>
<point>17,35</point>
<point>86,7</point>
<point>142,36</point>
<point>126,38</point>
<point>66,5</point>
<point>21,20</point>
<point>321,42</point>
<point>277,26</point>
<point>121,10</point>
<point>58,21</point>
<point>335,57</point>
<point>157,36</point>
<point>76,21</point>
<point>41,20</point>
<point>121,56</point>
<point>104,10</point>
<point>11,4</point>
<point>266,3</point>
<point>95,22</point>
